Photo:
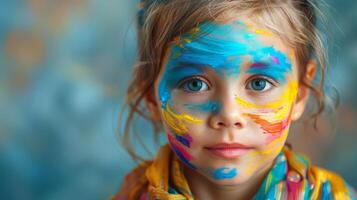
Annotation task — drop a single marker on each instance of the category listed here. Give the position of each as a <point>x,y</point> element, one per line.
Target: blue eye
<point>259,84</point>
<point>194,85</point>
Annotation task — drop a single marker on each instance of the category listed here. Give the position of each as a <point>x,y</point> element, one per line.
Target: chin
<point>231,181</point>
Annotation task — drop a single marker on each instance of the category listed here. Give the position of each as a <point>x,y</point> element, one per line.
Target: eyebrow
<point>177,72</point>
<point>189,65</point>
<point>259,65</point>
<point>274,71</point>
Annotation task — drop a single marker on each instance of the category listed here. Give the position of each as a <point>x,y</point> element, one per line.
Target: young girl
<point>224,79</point>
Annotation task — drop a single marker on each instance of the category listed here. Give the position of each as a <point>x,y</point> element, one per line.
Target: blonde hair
<point>294,21</point>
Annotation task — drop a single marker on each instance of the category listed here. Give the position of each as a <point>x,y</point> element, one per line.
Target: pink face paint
<point>180,151</point>
<point>275,60</point>
<point>258,65</point>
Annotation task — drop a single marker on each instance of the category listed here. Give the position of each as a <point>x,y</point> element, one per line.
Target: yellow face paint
<point>177,121</point>
<point>263,32</point>
<point>226,52</point>
<point>258,31</point>
<point>274,123</point>
<point>287,97</point>
<point>182,41</point>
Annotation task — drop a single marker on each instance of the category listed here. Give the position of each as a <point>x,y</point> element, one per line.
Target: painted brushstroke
<point>224,173</point>
<point>275,128</point>
<point>287,97</point>
<point>206,107</point>
<point>222,48</point>
<point>277,65</point>
<point>180,151</point>
<point>177,121</point>
<point>180,72</point>
<point>184,139</point>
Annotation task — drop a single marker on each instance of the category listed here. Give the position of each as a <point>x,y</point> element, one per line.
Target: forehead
<point>226,46</point>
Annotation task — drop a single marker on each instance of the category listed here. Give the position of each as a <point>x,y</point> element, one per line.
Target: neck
<point>203,188</point>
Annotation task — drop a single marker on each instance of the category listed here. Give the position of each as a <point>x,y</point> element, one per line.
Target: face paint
<point>179,73</point>
<point>185,139</point>
<point>276,121</point>
<point>177,121</point>
<point>275,67</point>
<point>206,107</point>
<point>263,32</point>
<point>258,31</point>
<point>219,47</point>
<point>209,49</point>
<point>268,127</point>
<point>180,151</point>
<point>275,60</point>
<point>287,97</point>
<point>224,173</point>
<point>222,49</point>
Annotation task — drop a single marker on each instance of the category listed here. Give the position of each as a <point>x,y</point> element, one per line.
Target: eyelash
<point>271,81</point>
<point>182,83</point>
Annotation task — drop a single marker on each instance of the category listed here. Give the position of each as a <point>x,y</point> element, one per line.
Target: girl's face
<point>227,94</point>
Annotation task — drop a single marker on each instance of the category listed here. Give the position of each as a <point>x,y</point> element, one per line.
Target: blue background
<point>64,68</point>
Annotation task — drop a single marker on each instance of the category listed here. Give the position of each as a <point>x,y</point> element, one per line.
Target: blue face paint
<point>216,47</point>
<point>224,173</point>
<point>184,139</point>
<point>164,93</point>
<point>223,48</point>
<point>275,65</point>
<point>206,107</point>
<point>178,73</point>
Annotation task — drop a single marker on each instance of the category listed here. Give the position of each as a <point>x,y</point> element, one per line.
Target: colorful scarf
<point>291,177</point>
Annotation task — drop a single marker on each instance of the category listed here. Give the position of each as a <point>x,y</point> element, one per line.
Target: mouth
<point>228,150</point>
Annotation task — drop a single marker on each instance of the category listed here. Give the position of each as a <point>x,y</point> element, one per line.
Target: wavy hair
<point>159,21</point>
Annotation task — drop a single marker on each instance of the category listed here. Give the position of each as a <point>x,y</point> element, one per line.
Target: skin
<point>229,107</point>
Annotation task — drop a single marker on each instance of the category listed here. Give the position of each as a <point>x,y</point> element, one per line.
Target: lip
<point>228,150</point>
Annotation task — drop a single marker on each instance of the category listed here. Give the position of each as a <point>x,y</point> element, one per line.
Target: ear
<point>303,93</point>
<point>152,105</point>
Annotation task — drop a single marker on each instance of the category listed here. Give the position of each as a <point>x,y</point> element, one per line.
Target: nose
<point>230,116</point>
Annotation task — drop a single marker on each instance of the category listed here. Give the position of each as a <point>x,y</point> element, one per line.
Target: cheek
<point>177,121</point>
<point>176,127</point>
<point>273,118</point>
<point>272,124</point>
<point>178,146</point>
<point>178,134</point>
<point>205,108</point>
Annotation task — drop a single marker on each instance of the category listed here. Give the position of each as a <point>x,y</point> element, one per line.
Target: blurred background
<point>64,69</point>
